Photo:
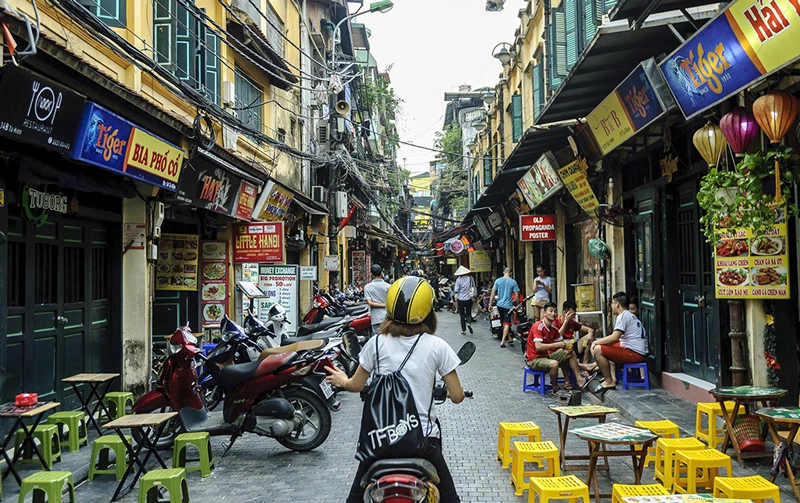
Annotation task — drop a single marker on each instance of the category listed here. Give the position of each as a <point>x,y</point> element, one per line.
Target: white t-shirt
<point>633,333</point>
<point>541,293</point>
<point>431,356</point>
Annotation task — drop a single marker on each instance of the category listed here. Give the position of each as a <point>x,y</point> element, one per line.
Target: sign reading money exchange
<point>111,142</point>
<point>750,39</point>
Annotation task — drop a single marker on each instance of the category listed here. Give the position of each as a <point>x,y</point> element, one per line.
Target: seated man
<point>568,328</point>
<point>549,351</point>
<point>626,344</point>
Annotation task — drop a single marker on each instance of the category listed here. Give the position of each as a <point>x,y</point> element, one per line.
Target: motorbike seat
<point>316,336</point>
<point>524,326</point>
<point>294,346</point>
<point>354,310</point>
<point>318,327</point>
<point>416,467</point>
<point>234,375</point>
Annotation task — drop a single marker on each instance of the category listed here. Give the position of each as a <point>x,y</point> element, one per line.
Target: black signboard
<point>34,109</point>
<point>207,185</point>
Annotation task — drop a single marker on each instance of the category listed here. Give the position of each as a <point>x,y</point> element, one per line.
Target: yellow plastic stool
<point>620,491</point>
<point>712,410</point>
<point>533,452</point>
<point>664,429</point>
<point>569,488</point>
<point>702,467</point>
<point>665,456</point>
<point>507,430</point>
<point>755,488</point>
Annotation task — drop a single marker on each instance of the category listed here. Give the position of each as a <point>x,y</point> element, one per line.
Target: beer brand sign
<point>273,203</point>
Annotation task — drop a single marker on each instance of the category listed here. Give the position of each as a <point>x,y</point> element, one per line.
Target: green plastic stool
<point>101,448</point>
<point>50,445</point>
<point>202,441</point>
<point>117,402</point>
<point>50,484</point>
<point>76,434</point>
<point>174,480</point>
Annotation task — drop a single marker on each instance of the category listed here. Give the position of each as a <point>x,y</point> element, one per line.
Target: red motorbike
<point>324,306</point>
<point>283,395</point>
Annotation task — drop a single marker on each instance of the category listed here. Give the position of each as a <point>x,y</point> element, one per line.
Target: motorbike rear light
<point>302,371</point>
<point>400,489</point>
<point>316,304</point>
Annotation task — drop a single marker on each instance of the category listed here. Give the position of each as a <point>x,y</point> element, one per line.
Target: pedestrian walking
<point>375,294</point>
<point>505,287</point>
<point>465,291</point>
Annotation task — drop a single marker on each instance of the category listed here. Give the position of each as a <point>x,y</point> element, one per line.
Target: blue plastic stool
<point>207,348</point>
<point>637,383</point>
<point>538,382</point>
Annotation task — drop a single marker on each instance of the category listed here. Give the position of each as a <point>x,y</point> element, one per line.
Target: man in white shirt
<point>375,294</point>
<point>626,344</point>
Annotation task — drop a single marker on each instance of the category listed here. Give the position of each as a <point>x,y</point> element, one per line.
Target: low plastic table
<point>34,412</point>
<point>93,381</point>
<point>682,498</point>
<point>789,416</point>
<point>598,412</point>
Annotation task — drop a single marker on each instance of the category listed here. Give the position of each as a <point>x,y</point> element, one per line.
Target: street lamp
<point>488,98</point>
<point>479,125</point>
<point>381,6</point>
<point>504,54</point>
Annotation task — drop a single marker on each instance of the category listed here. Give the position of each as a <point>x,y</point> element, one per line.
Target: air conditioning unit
<point>319,194</point>
<point>341,205</point>
<point>323,131</point>
<point>228,94</point>
<point>349,232</point>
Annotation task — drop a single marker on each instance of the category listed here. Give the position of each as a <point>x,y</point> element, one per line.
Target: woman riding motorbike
<point>410,320</point>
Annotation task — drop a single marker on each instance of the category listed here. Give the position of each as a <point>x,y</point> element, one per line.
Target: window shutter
<point>590,21</point>
<point>557,51</point>
<point>538,90</point>
<point>186,28</point>
<point>163,32</point>
<point>111,12</point>
<point>516,117</point>
<point>247,95</point>
<point>212,65</point>
<point>571,33</point>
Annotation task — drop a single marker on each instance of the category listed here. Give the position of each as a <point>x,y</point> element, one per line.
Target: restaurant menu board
<point>213,285</point>
<point>748,268</point>
<point>177,262</point>
<point>281,285</point>
<point>359,266</point>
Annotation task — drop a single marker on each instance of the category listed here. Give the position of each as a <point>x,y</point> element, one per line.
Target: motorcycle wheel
<point>212,396</point>
<point>171,430</point>
<point>315,421</point>
<point>343,363</point>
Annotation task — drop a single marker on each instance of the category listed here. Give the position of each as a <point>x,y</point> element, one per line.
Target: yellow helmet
<point>409,300</point>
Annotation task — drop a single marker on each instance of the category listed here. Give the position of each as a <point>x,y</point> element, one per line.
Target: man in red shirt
<point>547,350</point>
<point>568,328</point>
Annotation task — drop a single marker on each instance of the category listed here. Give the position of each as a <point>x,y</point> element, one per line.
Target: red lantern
<point>739,128</point>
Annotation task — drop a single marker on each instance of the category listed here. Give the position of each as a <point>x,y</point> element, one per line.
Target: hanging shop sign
<point>111,142</point>
<point>456,246</point>
<point>38,204</point>
<point>747,41</point>
<point>261,242</point>
<point>483,229</point>
<point>585,298</point>
<point>480,261</point>
<point>177,262</point>
<point>748,268</point>
<point>359,265</point>
<point>247,201</point>
<point>37,110</point>
<point>308,273</point>
<point>537,227</point>
<point>213,282</point>
<point>638,101</point>
<point>573,175</point>
<point>208,186</point>
<point>452,261</point>
<point>281,285</point>
<point>541,181</point>
<point>495,221</point>
<point>273,203</point>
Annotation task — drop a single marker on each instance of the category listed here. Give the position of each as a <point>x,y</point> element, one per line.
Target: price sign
<point>281,285</point>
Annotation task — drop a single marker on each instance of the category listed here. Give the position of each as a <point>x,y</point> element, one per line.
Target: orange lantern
<point>775,112</point>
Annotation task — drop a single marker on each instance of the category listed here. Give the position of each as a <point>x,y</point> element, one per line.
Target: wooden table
<point>601,436</point>
<point>94,381</point>
<point>788,416</point>
<point>744,396</point>
<point>577,412</point>
<point>35,412</point>
<point>140,423</point>
<point>682,498</point>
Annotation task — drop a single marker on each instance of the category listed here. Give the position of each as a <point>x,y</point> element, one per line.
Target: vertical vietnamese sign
<point>359,266</point>
<point>537,227</point>
<point>247,201</point>
<point>574,177</point>
<point>281,285</point>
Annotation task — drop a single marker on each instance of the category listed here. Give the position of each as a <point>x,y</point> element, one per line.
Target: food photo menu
<point>214,284</point>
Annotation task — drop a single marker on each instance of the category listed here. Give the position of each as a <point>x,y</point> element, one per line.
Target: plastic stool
<point>702,468</point>
<point>533,452</point>
<point>620,491</point>
<point>202,441</point>
<point>101,448</point>
<point>665,456</point>
<point>664,429</point>
<point>507,430</point>
<point>208,347</point>
<point>645,383</point>
<point>50,445</point>
<point>569,487</point>
<point>712,435</point>
<point>538,382</point>
<point>76,434</point>
<point>174,480</point>
<point>49,483</point>
<point>755,488</point>
<point>117,402</point>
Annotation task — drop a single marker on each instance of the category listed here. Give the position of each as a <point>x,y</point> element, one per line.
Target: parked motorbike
<point>325,305</point>
<point>282,395</point>
<point>523,325</point>
<point>495,323</point>
<point>446,300</point>
<point>409,480</point>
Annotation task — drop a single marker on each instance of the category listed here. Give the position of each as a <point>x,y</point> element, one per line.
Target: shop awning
<point>632,9</point>
<point>455,231</point>
<point>309,205</point>
<point>613,53</point>
<point>214,158</point>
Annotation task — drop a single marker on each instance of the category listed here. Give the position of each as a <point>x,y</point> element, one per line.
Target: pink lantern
<point>739,127</point>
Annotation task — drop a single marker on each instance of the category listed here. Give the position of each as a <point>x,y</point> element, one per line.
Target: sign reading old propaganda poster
<point>748,268</point>
<point>748,40</point>
<point>177,262</point>
<point>209,186</point>
<point>37,110</point>
<point>259,242</point>
<point>247,201</point>
<point>573,175</point>
<point>480,261</point>
<point>541,181</point>
<point>213,282</point>
<point>281,285</point>
<point>111,142</point>
<point>637,102</point>
<point>537,227</point>
<point>273,203</point>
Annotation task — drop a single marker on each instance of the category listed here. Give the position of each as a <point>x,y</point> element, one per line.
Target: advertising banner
<point>281,285</point>
<point>213,282</point>
<point>541,181</point>
<point>537,227</point>
<point>261,242</point>
<point>483,229</point>
<point>359,265</point>
<point>748,40</point>
<point>247,201</point>
<point>177,262</point>
<point>209,186</point>
<point>480,261</point>
<point>273,203</point>
<point>574,178</point>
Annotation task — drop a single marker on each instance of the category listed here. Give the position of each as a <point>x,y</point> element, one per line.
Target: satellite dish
<point>599,249</point>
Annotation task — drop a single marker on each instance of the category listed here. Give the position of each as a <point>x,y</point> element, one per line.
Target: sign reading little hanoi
<point>537,227</point>
<point>261,242</point>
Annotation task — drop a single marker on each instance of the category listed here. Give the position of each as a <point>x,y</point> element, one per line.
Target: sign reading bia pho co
<point>537,227</point>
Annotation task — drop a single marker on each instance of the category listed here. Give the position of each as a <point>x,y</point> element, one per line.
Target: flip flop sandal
<point>470,329</point>
<point>502,345</point>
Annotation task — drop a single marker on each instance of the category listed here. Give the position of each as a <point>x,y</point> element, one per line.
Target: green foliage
<point>376,93</point>
<point>450,142</point>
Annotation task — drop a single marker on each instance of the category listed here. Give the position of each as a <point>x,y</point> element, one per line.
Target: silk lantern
<point>739,128</point>
<point>709,141</point>
<point>775,112</point>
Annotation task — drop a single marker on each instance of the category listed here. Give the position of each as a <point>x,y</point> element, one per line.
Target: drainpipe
<point>305,99</point>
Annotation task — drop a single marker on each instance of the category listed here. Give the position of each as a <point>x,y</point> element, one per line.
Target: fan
<point>599,249</point>
<point>612,214</point>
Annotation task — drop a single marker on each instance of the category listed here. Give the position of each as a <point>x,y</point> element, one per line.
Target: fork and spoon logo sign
<point>44,105</point>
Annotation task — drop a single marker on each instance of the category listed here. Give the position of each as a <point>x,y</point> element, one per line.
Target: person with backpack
<point>404,360</point>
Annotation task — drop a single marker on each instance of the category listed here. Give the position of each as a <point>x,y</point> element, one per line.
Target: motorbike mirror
<point>466,352</point>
